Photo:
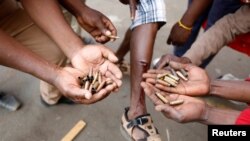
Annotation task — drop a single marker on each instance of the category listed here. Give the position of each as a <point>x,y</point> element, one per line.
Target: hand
<point>132,6</point>
<point>198,81</point>
<point>99,58</point>
<point>96,24</point>
<point>165,59</point>
<point>68,84</point>
<point>192,109</point>
<point>178,36</point>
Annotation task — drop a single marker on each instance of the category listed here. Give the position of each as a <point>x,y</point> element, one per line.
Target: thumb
<point>80,93</point>
<point>170,112</point>
<point>169,40</point>
<point>177,65</point>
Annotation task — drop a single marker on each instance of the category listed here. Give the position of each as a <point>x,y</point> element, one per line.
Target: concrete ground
<point>36,122</point>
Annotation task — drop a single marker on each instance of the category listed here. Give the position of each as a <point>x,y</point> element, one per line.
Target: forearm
<point>220,116</point>
<point>75,7</point>
<point>220,34</point>
<point>196,8</point>
<point>49,17</point>
<point>14,55</point>
<point>233,90</point>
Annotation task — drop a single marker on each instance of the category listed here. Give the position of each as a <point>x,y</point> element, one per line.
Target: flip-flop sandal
<point>143,123</point>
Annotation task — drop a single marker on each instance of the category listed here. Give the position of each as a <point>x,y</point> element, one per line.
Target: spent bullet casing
<point>176,78</point>
<point>162,98</point>
<point>184,72</point>
<point>176,102</point>
<point>171,81</point>
<point>173,72</point>
<point>163,82</point>
<point>181,75</point>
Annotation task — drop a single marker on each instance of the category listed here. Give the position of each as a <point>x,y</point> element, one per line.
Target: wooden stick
<point>162,98</point>
<point>74,131</point>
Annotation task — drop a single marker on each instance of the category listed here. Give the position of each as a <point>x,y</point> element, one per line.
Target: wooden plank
<point>74,131</point>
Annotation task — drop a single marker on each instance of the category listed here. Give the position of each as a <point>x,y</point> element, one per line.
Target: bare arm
<point>219,35</point>
<point>48,16</point>
<point>181,31</point>
<point>220,116</point>
<point>196,8</point>
<point>234,90</point>
<point>93,21</point>
<point>14,55</point>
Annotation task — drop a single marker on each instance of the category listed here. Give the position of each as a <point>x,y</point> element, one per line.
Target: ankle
<point>132,114</point>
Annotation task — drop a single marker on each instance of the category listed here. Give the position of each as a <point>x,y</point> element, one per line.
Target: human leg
<point>142,42</point>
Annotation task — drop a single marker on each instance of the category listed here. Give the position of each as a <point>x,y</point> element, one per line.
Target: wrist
<point>73,47</point>
<point>186,60</point>
<point>55,74</point>
<point>205,114</point>
<point>213,88</point>
<point>184,26</point>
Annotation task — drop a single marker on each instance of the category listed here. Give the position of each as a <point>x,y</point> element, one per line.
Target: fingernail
<point>108,32</point>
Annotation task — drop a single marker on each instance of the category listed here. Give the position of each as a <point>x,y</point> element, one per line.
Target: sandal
<point>143,123</point>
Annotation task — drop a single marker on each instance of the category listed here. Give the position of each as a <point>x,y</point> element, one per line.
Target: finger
<point>118,82</point>
<point>111,30</point>
<point>169,40</point>
<point>166,88</point>
<point>177,65</point>
<point>149,91</point>
<point>115,70</point>
<point>155,71</point>
<point>151,80</point>
<point>79,93</point>
<point>132,5</point>
<point>169,111</point>
<point>101,39</point>
<point>149,75</point>
<point>107,53</point>
<point>164,61</point>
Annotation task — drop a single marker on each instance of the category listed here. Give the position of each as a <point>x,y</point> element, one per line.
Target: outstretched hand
<point>99,58</point>
<point>192,109</point>
<point>198,81</point>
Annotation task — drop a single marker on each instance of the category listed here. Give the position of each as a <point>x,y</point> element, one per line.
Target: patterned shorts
<point>149,11</point>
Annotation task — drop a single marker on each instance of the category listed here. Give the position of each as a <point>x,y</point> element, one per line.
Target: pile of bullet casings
<point>94,82</point>
<point>171,80</point>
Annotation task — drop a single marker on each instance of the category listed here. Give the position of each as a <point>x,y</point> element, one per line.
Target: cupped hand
<point>99,58</point>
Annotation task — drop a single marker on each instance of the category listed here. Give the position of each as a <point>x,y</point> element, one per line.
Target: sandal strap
<point>137,121</point>
<point>143,123</point>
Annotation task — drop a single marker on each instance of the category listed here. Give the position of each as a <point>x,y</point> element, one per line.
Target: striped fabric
<point>149,11</point>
